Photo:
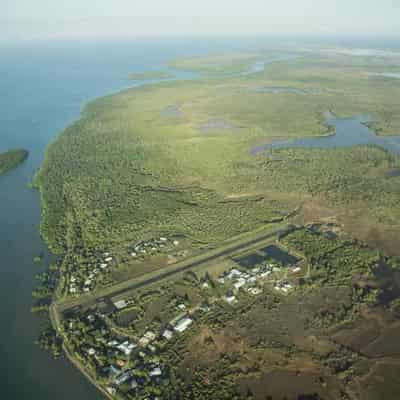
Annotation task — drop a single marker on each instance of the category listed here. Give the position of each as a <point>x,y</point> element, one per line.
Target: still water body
<point>349,132</point>
<point>42,87</point>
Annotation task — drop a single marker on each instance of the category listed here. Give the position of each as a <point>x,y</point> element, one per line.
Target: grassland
<point>11,159</point>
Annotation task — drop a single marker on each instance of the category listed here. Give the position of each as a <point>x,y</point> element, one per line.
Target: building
<point>155,372</point>
<point>167,334</point>
<point>240,283</point>
<point>230,299</point>
<point>123,378</point>
<point>183,324</point>
<point>120,304</point>
<point>126,347</point>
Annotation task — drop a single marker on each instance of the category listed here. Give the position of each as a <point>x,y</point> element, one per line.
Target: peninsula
<point>202,256</point>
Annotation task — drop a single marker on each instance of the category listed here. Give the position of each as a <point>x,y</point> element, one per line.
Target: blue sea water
<point>42,88</point>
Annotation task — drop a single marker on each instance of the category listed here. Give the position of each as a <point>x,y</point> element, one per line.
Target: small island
<point>11,159</point>
<point>150,75</point>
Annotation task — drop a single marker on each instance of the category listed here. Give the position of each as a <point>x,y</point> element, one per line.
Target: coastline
<point>56,324</point>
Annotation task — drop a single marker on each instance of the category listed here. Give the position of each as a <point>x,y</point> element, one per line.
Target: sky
<point>44,19</point>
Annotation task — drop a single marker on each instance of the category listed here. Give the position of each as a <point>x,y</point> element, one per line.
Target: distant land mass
<point>11,159</point>
<point>140,76</point>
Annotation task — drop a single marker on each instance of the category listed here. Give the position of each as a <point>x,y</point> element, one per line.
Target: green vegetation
<point>217,65</point>
<point>37,259</point>
<point>128,172</point>
<point>125,171</point>
<point>140,76</point>
<point>50,341</point>
<point>11,159</point>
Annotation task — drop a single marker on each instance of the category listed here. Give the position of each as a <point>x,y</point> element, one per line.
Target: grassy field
<point>11,159</point>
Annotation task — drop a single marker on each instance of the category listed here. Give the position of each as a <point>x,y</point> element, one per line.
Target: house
<point>230,299</point>
<point>88,282</point>
<point>239,283</point>
<point>91,352</point>
<point>296,269</point>
<point>108,259</point>
<point>163,239</point>
<point>147,338</point>
<point>176,243</point>
<point>90,318</point>
<point>150,335</point>
<point>103,266</point>
<point>113,343</point>
<point>182,306</point>
<point>73,279</point>
<point>155,372</point>
<point>111,390</point>
<point>254,290</point>
<point>234,273</point>
<point>221,281</point>
<point>126,347</point>
<point>205,285</point>
<point>183,324</point>
<point>134,383</point>
<point>123,378</point>
<point>113,372</point>
<point>120,304</point>
<point>167,334</point>
<point>133,254</point>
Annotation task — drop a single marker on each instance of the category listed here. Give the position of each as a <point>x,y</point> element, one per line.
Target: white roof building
<point>241,282</point>
<point>91,352</point>
<point>230,299</point>
<point>155,372</point>
<point>126,347</point>
<point>183,324</point>
<point>167,334</point>
<point>122,378</point>
<point>234,273</point>
<point>255,290</point>
<point>120,304</point>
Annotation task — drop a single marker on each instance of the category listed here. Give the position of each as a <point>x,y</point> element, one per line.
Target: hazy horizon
<point>45,19</point>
